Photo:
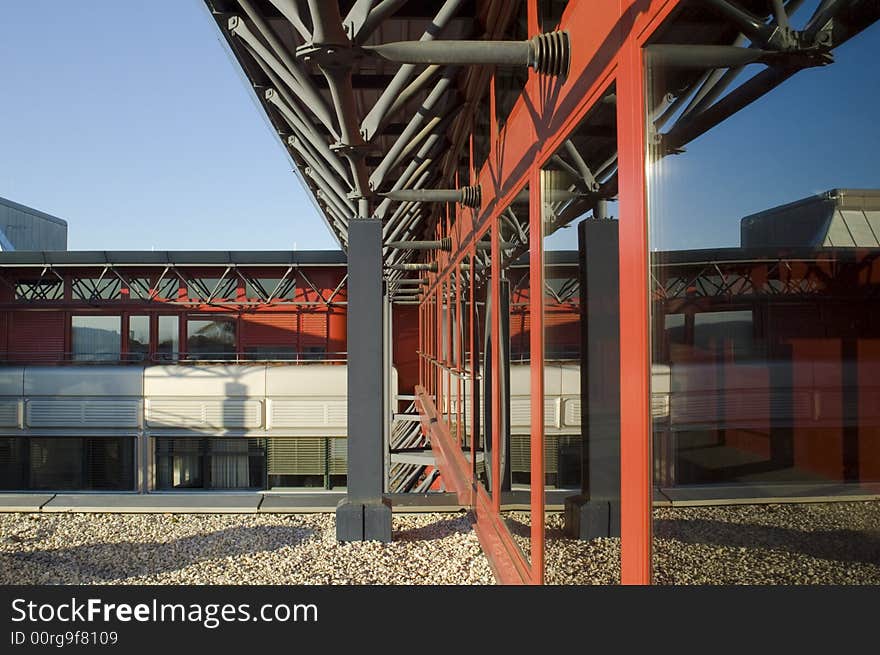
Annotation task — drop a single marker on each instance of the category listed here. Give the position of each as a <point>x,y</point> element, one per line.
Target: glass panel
<point>579,299</point>
<point>67,463</point>
<point>210,339</point>
<point>94,288</point>
<point>138,337</point>
<point>96,338</point>
<point>213,288</point>
<point>205,463</point>
<point>262,288</point>
<point>168,344</point>
<point>515,376</point>
<point>139,288</point>
<point>765,342</point>
<point>43,289</point>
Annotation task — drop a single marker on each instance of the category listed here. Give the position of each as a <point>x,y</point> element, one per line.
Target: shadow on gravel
<point>107,562</point>
<point>837,545</point>
<point>460,524</point>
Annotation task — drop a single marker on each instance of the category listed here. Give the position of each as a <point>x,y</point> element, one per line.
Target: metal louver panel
<point>229,413</point>
<point>9,413</point>
<point>82,413</point>
<point>308,413</point>
<point>338,456</point>
<point>521,456</point>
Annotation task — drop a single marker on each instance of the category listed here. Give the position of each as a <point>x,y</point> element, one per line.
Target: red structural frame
<point>607,40</point>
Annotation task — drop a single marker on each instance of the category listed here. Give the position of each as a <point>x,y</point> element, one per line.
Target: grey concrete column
<point>596,511</point>
<point>365,514</point>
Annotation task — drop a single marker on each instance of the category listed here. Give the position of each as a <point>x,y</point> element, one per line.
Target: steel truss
<point>162,284</point>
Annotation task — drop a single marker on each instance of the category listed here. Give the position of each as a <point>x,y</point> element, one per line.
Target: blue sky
<point>130,120</point>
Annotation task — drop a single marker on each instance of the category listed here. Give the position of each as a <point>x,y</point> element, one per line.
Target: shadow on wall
<point>109,562</point>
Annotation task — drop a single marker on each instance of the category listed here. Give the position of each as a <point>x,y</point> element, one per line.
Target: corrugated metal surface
<point>836,218</point>
<point>313,330</point>
<point>268,330</point>
<point>36,335</point>
<point>30,229</point>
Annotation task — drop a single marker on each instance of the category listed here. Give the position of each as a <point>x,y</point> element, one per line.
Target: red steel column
<point>536,371</point>
<point>635,355</point>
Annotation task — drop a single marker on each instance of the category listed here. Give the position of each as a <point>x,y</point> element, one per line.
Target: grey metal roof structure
<point>142,258</point>
<point>26,228</point>
<point>836,218</point>
<point>375,99</point>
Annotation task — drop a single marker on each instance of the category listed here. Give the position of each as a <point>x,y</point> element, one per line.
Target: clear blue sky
<point>129,120</point>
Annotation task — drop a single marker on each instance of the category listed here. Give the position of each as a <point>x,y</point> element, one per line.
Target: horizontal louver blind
<point>297,456</point>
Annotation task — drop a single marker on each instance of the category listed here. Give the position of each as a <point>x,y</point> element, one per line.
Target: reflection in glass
<point>764,273</point>
<point>210,339</point>
<point>96,338</point>
<point>168,344</point>
<point>138,337</point>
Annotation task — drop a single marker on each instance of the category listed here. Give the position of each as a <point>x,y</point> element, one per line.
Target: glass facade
<point>763,298</point>
<point>96,338</point>
<point>210,339</point>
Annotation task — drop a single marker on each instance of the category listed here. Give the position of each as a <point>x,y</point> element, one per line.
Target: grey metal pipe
<point>750,25</point>
<point>290,11</point>
<point>444,244</point>
<point>292,77</point>
<point>546,53</point>
<point>469,196</point>
<point>432,267</point>
<point>382,109</point>
<point>706,56</point>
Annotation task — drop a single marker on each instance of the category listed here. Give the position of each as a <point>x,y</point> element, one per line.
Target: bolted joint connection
<point>550,53</point>
<point>471,196</point>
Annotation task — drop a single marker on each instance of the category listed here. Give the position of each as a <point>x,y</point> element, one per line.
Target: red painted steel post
<point>635,354</point>
<point>536,372</point>
<point>474,374</point>
<point>495,344</point>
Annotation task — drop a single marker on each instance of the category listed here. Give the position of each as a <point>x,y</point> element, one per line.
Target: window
<point>138,337</point>
<point>205,463</point>
<point>96,338</point>
<point>67,463</point>
<point>168,342</point>
<point>210,338</point>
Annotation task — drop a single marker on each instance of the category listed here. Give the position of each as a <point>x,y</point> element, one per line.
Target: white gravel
<point>825,543</point>
<point>234,549</point>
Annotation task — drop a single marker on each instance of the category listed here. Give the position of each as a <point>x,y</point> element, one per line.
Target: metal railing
<point>37,357</point>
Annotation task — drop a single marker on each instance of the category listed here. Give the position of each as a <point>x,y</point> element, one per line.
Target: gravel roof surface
<point>827,543</point>
<point>234,549</point>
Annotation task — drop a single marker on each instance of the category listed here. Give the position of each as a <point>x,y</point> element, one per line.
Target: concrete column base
<point>369,521</point>
<point>590,519</point>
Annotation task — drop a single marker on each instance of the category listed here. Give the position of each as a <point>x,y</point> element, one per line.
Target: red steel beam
<point>505,557</point>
